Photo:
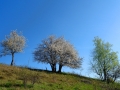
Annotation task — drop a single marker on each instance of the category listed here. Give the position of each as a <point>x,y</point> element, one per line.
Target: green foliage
<point>104,59</point>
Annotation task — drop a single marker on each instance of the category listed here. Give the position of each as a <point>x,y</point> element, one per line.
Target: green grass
<point>12,78</point>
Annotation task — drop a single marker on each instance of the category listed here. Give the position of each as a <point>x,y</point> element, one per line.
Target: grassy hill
<point>16,78</point>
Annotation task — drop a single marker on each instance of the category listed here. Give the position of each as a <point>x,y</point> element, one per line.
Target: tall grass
<point>16,78</point>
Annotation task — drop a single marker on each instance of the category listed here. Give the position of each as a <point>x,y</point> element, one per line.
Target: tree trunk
<point>12,62</point>
<point>105,75</point>
<point>53,67</point>
<point>60,68</point>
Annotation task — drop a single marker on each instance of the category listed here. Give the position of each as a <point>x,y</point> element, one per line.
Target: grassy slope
<point>11,78</point>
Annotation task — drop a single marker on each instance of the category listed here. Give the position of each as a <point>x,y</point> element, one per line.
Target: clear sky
<point>79,21</point>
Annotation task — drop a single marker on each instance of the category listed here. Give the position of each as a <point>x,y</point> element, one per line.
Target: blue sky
<point>79,21</point>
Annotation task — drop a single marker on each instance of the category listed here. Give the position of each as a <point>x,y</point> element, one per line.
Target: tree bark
<point>53,67</point>
<point>105,75</point>
<point>60,68</point>
<point>12,62</point>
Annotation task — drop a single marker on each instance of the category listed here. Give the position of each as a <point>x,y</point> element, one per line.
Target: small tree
<point>57,51</point>
<point>104,60</point>
<point>12,44</point>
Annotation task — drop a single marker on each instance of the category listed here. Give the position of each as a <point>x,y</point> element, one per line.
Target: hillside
<point>16,78</point>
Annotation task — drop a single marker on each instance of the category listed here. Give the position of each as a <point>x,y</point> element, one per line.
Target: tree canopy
<point>57,51</point>
<point>13,43</point>
<point>104,59</point>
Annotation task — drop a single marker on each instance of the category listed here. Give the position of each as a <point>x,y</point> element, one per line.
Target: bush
<point>27,75</point>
